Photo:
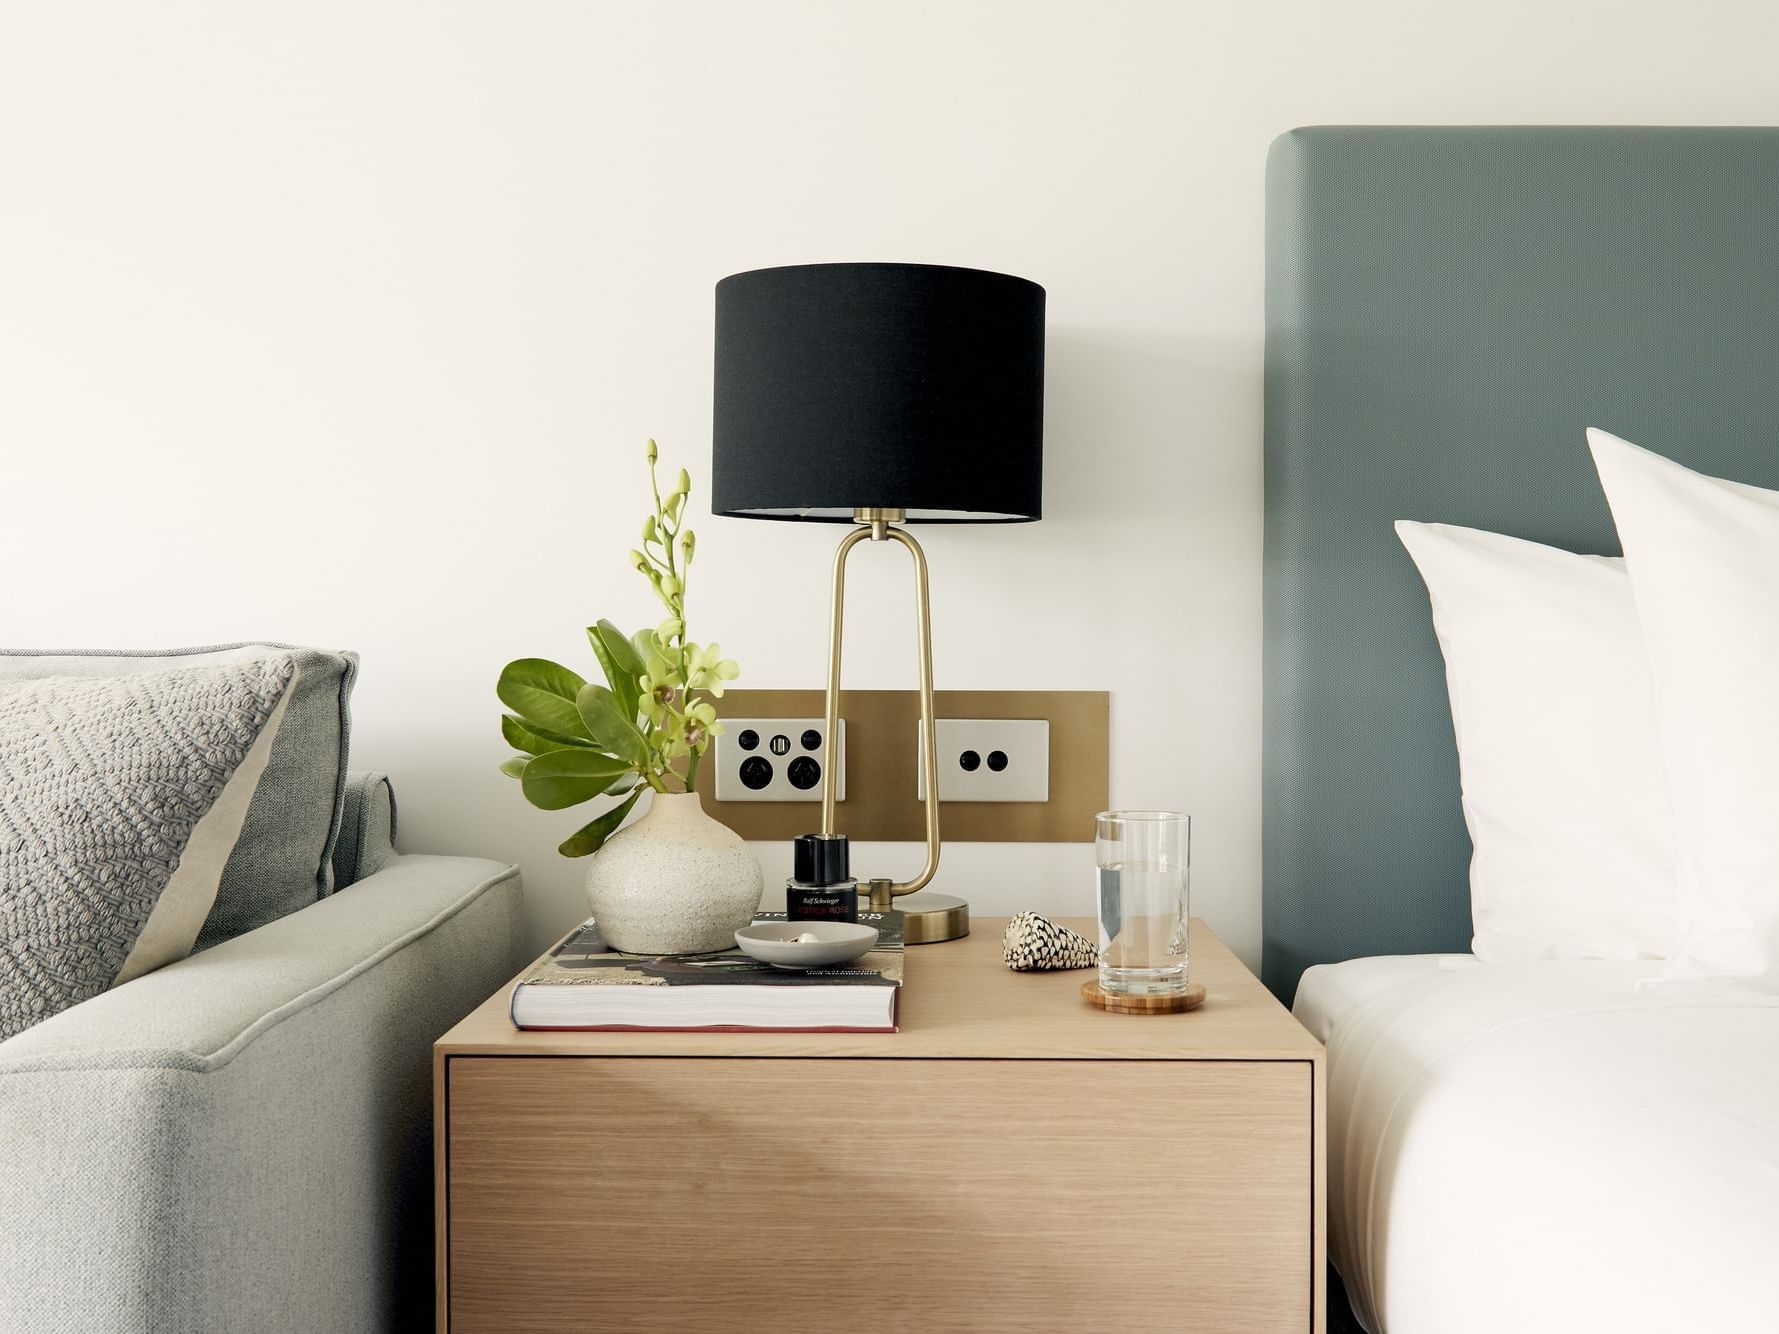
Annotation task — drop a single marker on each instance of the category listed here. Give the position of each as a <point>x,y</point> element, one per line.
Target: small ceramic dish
<point>777,943</point>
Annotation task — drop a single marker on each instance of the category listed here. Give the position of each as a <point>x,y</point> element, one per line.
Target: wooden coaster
<point>1189,999</point>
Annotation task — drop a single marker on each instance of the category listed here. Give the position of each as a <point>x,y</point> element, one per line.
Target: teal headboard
<point>1447,310</point>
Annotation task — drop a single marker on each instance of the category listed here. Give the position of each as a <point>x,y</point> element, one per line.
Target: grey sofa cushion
<point>284,858</point>
<point>121,800</point>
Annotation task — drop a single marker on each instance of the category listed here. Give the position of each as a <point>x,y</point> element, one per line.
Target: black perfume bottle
<point>821,887</point>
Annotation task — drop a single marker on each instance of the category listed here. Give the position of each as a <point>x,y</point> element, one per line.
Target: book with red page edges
<point>583,984</point>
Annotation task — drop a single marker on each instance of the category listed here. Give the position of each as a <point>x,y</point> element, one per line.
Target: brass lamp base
<point>928,918</point>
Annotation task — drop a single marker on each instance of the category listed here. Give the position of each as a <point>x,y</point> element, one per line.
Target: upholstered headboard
<point>1447,310</point>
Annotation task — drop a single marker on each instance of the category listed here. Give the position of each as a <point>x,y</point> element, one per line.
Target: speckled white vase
<point>675,882</point>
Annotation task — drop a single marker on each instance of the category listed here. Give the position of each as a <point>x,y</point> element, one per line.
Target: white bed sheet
<point>1517,1148</point>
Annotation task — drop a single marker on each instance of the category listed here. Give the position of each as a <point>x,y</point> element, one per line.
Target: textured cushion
<point>1554,714</point>
<point>284,858</point>
<point>121,800</point>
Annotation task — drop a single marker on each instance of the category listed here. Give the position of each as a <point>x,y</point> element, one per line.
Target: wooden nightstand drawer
<point>960,1195</point>
<point>1013,1160</point>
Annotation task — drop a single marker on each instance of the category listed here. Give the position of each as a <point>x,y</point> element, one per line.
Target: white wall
<point>345,323</point>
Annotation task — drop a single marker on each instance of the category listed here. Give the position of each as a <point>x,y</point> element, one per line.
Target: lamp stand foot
<point>928,918</point>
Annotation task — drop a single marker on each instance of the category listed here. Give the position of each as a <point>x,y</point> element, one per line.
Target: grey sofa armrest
<point>367,828</point>
<point>241,1140</point>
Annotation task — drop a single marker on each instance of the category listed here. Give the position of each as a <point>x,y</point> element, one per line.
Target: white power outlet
<point>778,759</point>
<point>987,759</point>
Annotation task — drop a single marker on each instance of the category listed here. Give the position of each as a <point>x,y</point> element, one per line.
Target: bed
<point>1534,1146</point>
<point>1520,1147</point>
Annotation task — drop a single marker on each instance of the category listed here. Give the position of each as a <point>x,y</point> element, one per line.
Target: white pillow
<point>1703,557</point>
<point>1557,752</point>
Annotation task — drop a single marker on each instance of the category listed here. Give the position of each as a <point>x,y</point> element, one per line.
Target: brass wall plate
<point>880,767</point>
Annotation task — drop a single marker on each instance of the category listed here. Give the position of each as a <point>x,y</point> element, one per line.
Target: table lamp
<point>880,395</point>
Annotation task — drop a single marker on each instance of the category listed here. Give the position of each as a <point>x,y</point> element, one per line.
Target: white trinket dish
<point>777,943</point>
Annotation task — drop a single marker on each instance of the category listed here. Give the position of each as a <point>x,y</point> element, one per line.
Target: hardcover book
<point>583,984</point>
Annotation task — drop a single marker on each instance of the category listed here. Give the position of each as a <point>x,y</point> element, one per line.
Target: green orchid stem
<point>660,552</point>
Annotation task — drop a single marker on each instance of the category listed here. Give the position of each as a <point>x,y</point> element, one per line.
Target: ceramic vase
<point>675,882</point>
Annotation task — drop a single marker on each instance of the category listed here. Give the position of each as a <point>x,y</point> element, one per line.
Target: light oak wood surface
<point>960,1000</point>
<point>1125,1173</point>
<point>798,1197</point>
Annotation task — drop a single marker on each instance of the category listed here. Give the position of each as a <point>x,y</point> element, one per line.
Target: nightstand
<point>965,1174</point>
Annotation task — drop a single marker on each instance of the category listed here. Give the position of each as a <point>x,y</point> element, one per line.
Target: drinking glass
<point>1142,859</point>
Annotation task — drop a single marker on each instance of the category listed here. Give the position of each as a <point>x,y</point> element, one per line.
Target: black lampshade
<point>900,386</point>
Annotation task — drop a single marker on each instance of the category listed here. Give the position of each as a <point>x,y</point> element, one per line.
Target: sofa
<point>241,1140</point>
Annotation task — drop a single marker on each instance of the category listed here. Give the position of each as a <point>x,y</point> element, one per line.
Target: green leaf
<point>644,645</point>
<point>604,638</point>
<point>542,693</point>
<point>535,740</point>
<point>591,836</point>
<point>614,732</point>
<point>561,778</point>
<point>515,767</point>
<point>620,648</point>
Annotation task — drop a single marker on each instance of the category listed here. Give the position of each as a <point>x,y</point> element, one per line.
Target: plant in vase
<point>675,881</point>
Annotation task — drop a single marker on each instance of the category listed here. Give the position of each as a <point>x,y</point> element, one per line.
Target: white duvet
<point>1517,1148</point>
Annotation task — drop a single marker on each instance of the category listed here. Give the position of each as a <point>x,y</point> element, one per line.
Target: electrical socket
<point>987,759</point>
<point>882,726</point>
<point>773,759</point>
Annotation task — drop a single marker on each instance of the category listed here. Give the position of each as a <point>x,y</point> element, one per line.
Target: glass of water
<point>1142,859</point>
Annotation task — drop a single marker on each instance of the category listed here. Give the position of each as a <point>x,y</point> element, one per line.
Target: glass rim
<point>1155,817</point>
